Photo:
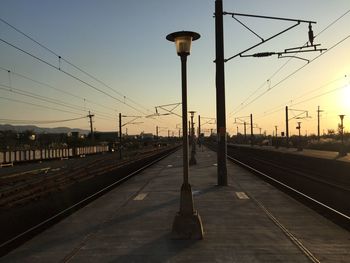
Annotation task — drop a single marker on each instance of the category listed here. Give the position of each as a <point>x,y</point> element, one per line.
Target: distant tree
<point>330,132</point>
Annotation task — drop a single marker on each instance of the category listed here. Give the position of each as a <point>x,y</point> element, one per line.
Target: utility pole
<point>276,136</point>
<point>199,131</point>
<point>220,94</point>
<point>318,122</point>
<point>342,151</point>
<point>245,131</point>
<point>251,130</point>
<point>120,136</point>
<point>91,127</point>
<point>287,128</point>
<point>299,136</point>
<point>157,130</point>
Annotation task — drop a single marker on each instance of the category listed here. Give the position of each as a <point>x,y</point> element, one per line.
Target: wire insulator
<point>311,35</point>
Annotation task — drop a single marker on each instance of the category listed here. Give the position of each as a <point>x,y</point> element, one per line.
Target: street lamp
<point>342,151</point>
<point>187,223</point>
<point>193,144</point>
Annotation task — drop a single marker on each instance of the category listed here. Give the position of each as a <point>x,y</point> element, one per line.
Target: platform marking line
<point>241,195</point>
<point>196,192</point>
<point>140,196</point>
<point>294,239</point>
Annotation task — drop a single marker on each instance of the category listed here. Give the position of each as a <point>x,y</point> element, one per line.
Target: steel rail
<point>82,202</point>
<point>289,188</point>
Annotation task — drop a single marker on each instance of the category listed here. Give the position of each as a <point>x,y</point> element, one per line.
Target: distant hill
<point>21,128</point>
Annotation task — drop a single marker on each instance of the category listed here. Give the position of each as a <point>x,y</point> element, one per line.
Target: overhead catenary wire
<point>40,106</point>
<point>12,121</point>
<point>45,99</point>
<point>293,73</point>
<point>71,75</point>
<point>60,58</point>
<point>308,99</point>
<point>54,88</point>
<point>242,105</point>
<point>289,102</point>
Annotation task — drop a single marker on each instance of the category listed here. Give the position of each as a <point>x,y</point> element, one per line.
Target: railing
<point>8,158</point>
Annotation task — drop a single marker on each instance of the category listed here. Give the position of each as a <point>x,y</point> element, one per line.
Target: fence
<point>11,157</point>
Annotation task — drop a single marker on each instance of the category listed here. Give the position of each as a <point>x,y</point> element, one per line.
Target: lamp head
<point>183,40</point>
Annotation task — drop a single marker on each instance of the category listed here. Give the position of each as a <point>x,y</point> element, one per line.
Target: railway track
<point>46,201</point>
<point>323,195</point>
<point>23,187</point>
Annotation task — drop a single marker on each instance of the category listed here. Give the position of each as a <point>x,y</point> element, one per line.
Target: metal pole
<point>193,145</point>
<point>318,122</point>
<point>184,121</point>
<point>299,137</point>
<point>287,127</point>
<point>187,223</point>
<point>157,129</point>
<point>276,136</point>
<point>120,136</point>
<point>199,130</point>
<point>220,94</point>
<point>245,131</point>
<point>91,127</point>
<point>251,130</point>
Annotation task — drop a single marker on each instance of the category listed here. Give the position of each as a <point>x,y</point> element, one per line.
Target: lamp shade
<point>183,40</point>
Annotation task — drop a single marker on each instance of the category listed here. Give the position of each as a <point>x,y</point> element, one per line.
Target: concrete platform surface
<point>247,221</point>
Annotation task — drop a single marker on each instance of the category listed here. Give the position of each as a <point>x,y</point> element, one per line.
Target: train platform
<point>247,221</point>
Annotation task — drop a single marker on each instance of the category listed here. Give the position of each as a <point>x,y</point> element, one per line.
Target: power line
<point>70,75</point>
<point>280,68</point>
<point>308,99</point>
<point>40,106</point>
<point>291,74</point>
<point>70,63</point>
<point>43,98</point>
<point>54,88</point>
<point>306,93</point>
<point>39,121</point>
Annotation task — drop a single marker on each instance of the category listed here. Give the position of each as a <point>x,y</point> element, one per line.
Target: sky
<point>132,67</point>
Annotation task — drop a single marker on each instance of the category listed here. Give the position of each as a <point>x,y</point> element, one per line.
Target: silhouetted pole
<point>120,136</point>
<point>245,131</point>
<point>276,145</point>
<point>318,122</point>
<point>342,151</point>
<point>199,130</point>
<point>157,130</point>
<point>299,137</point>
<point>91,127</point>
<point>251,130</point>
<point>220,94</point>
<point>287,127</point>
<point>187,223</point>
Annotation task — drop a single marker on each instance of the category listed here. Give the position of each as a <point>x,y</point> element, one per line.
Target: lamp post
<point>187,223</point>
<point>193,144</point>
<point>342,151</point>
